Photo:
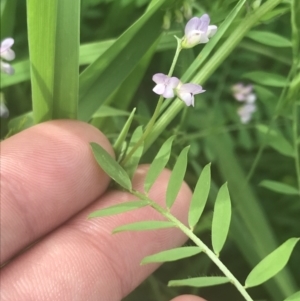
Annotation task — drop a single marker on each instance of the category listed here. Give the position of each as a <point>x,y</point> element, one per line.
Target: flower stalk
<point>155,115</point>
<point>198,242</point>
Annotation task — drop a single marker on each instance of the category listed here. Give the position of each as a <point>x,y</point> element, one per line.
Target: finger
<point>83,261</point>
<point>188,298</point>
<point>48,174</point>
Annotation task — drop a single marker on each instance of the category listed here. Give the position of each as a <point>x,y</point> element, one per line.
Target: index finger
<point>48,174</point>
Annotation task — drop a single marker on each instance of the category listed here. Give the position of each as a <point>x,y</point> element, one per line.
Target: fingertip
<point>48,174</point>
<point>188,298</point>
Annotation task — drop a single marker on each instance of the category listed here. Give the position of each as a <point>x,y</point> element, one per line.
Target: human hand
<point>50,183</point>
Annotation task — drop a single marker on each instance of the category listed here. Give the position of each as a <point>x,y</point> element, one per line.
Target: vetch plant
<point>105,82</point>
<point>167,86</point>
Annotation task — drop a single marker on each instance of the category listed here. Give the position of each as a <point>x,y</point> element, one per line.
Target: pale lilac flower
<point>165,85</point>
<point>8,54</point>
<point>244,93</point>
<point>245,112</point>
<point>198,31</point>
<point>186,93</point>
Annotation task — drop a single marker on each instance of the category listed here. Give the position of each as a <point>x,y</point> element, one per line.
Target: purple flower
<point>8,54</point>
<point>244,93</point>
<point>245,112</point>
<point>198,31</point>
<point>165,85</point>
<point>186,93</point>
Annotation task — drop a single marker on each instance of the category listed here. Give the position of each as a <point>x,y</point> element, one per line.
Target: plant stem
<point>146,133</point>
<point>155,115</point>
<point>295,134</point>
<point>198,242</point>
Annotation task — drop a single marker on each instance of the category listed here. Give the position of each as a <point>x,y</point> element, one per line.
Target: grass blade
<point>105,75</point>
<point>54,57</point>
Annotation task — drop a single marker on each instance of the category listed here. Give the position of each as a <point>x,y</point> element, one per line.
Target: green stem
<point>147,131</point>
<point>296,149</point>
<point>155,115</point>
<point>199,243</point>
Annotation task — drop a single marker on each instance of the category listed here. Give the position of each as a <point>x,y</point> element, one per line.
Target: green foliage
<point>122,46</point>
<point>221,219</point>
<point>177,177</point>
<point>54,58</point>
<point>134,160</point>
<point>279,187</point>
<point>119,208</point>
<point>172,255</point>
<point>146,225</point>
<point>200,281</point>
<point>199,197</point>
<point>159,163</point>
<point>294,297</point>
<point>272,264</point>
<point>110,166</point>
<point>122,136</point>
<point>269,38</point>
<point>266,78</point>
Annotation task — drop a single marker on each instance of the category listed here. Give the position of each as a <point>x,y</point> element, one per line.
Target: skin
<point>50,182</point>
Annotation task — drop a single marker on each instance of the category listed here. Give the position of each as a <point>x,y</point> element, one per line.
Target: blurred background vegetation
<point>212,128</point>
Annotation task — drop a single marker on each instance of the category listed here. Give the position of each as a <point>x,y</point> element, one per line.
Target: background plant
<point>122,44</point>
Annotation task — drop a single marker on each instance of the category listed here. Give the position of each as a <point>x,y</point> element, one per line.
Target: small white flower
<point>245,112</point>
<point>3,110</point>
<point>198,31</point>
<point>8,54</point>
<point>165,85</point>
<point>186,93</point>
<point>244,93</point>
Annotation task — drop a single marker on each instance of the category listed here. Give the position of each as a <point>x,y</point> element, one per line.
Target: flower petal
<point>191,88</point>
<point>159,89</point>
<point>169,92</point>
<point>6,68</point>
<point>159,78</point>
<point>173,82</point>
<point>6,44</point>
<point>187,98</point>
<point>191,25</point>
<point>204,22</point>
<point>8,54</point>
<point>212,29</point>
<point>251,98</point>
